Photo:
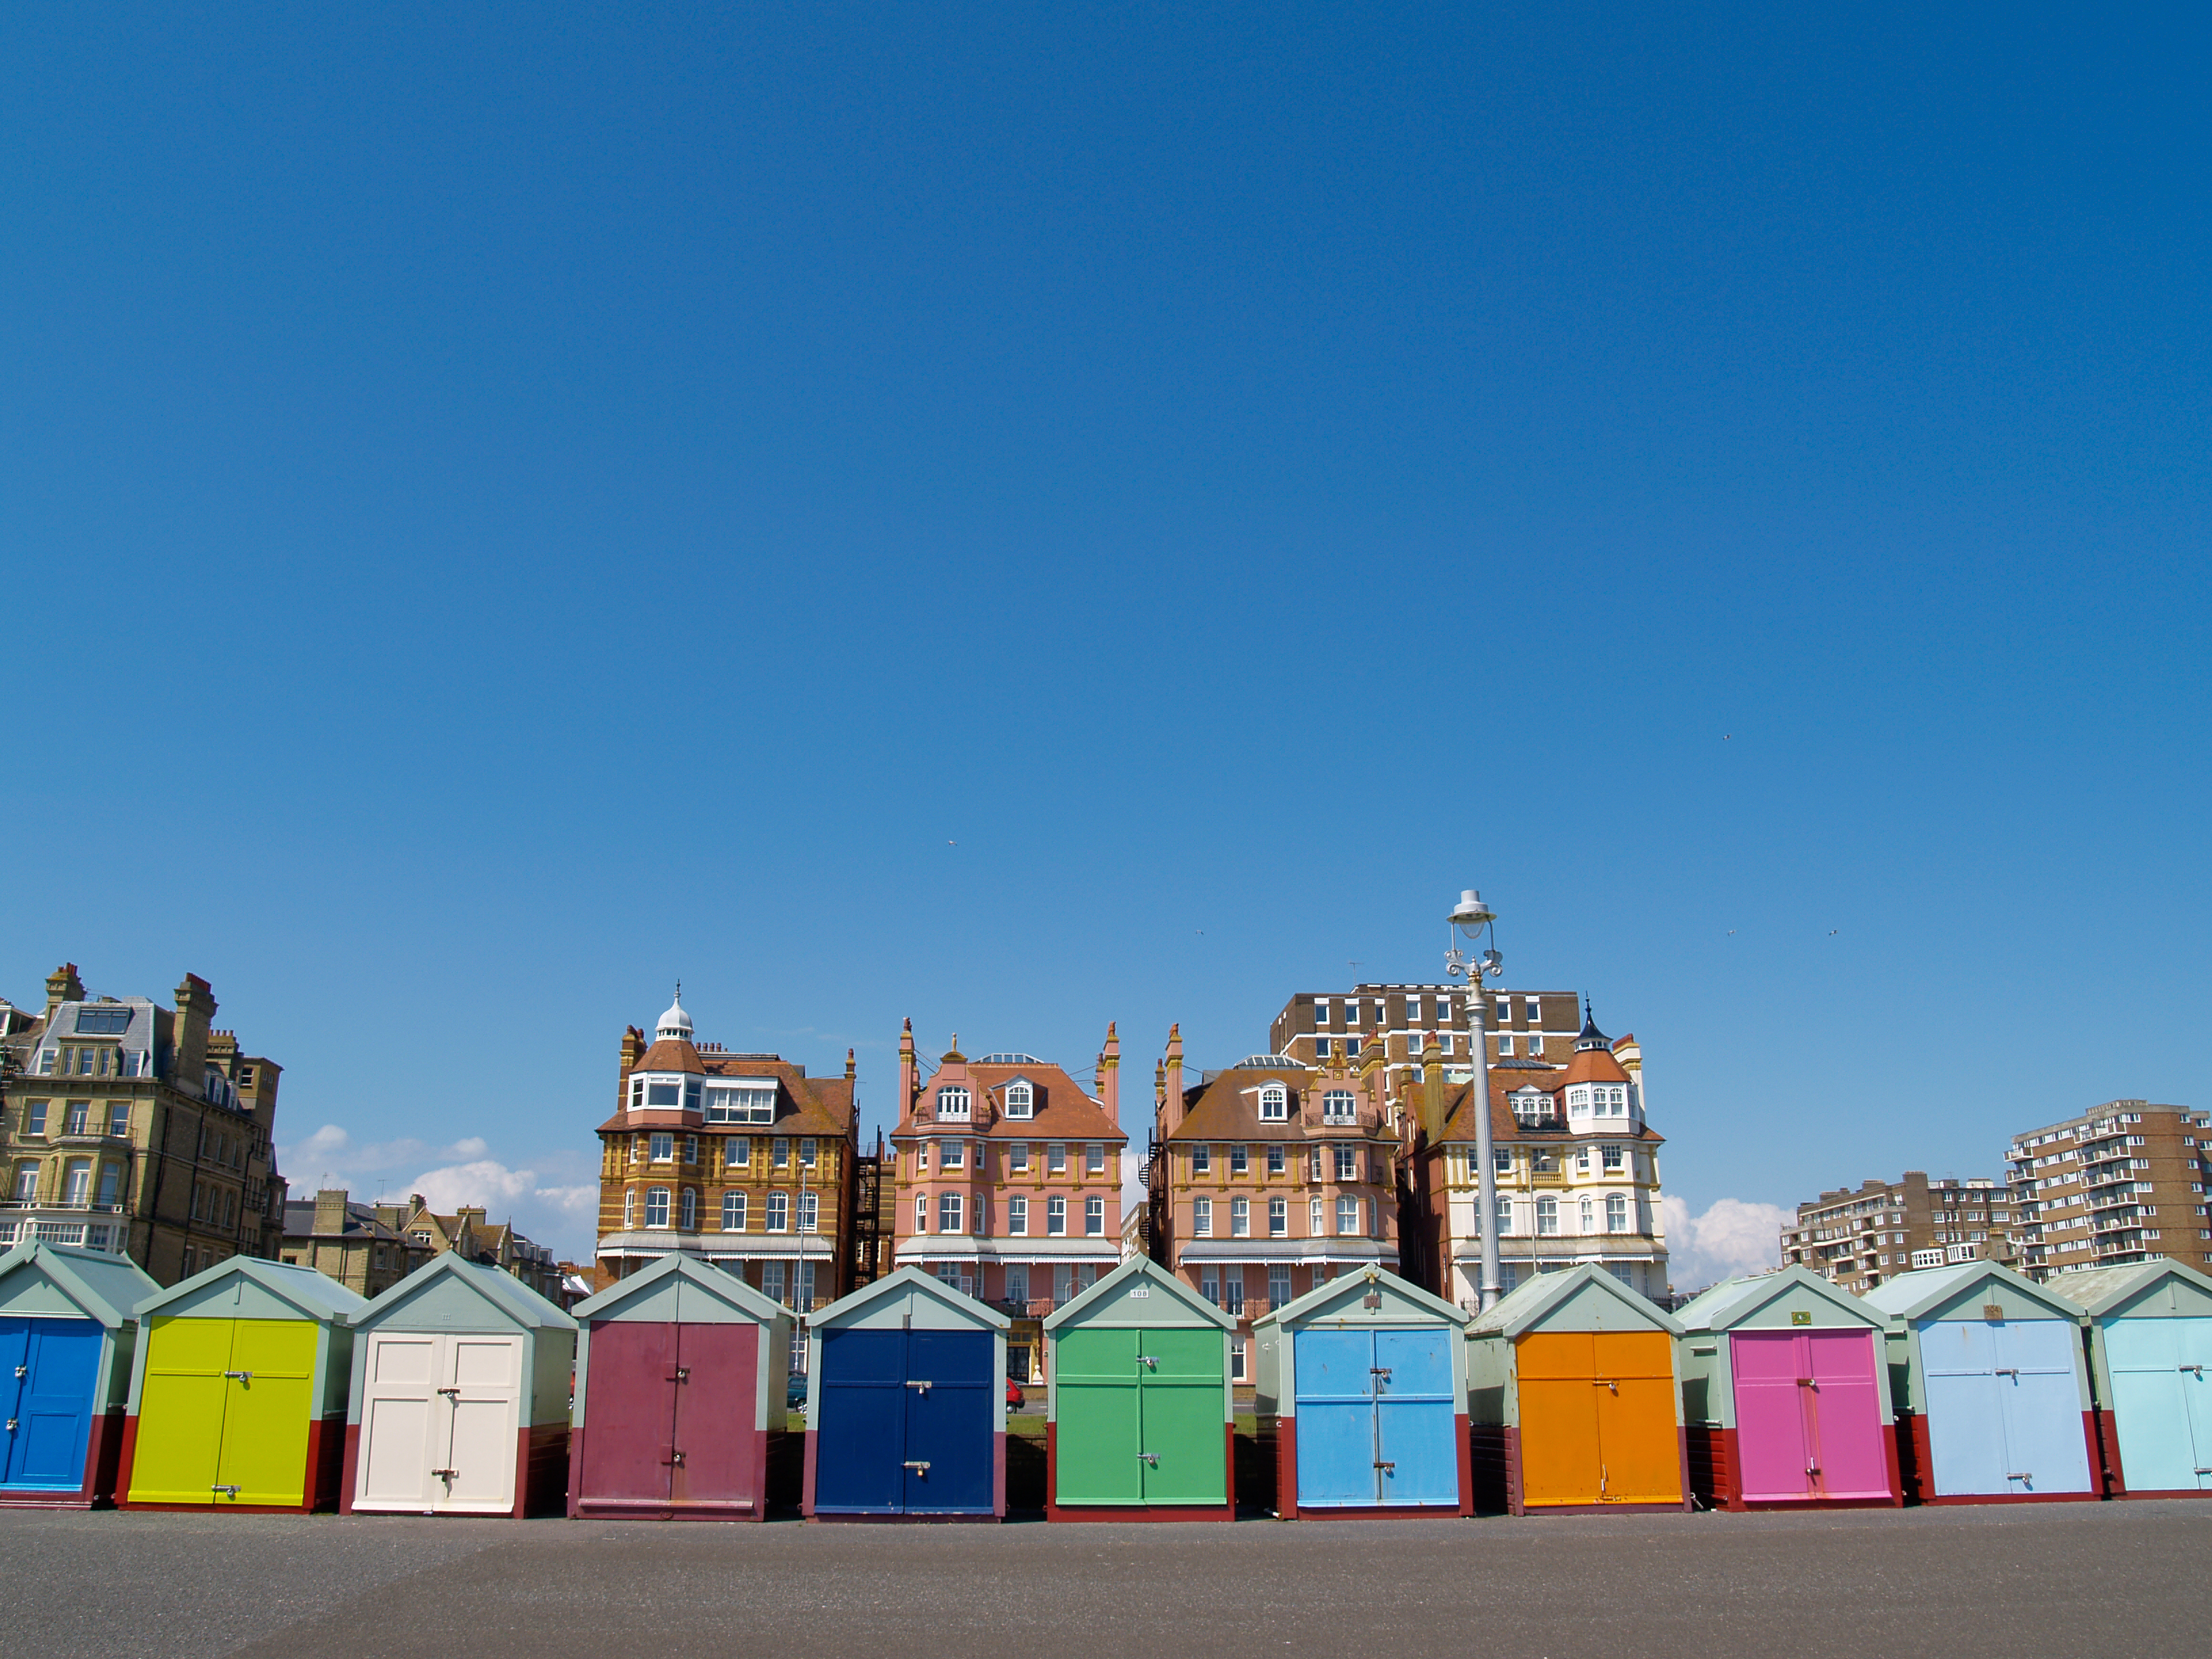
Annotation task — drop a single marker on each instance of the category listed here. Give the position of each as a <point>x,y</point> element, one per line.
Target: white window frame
<point>1055,1157</point>
<point>1340,1106</point>
<point>1274,1103</point>
<point>1021,1099</point>
<point>1017,1216</point>
<point>1094,1158</point>
<point>950,1214</point>
<point>689,1209</point>
<point>1278,1218</point>
<point>779,1213</point>
<point>1348,1206</point>
<point>1055,1216</point>
<point>733,1212</point>
<point>1278,1158</point>
<point>1094,1217</point>
<point>810,1212</point>
<point>1239,1159</point>
<point>656,1200</point>
<point>1240,1217</point>
<point>954,1103</point>
<point>1201,1217</point>
<point>740,1101</point>
<point>660,1146</point>
<point>1017,1158</point>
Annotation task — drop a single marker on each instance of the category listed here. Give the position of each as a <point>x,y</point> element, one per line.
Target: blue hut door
<point>1966,1419</point>
<point>951,1422</point>
<point>48,1370</point>
<point>2046,1445</point>
<point>2159,1405</point>
<point>1375,1418</point>
<point>908,1423</point>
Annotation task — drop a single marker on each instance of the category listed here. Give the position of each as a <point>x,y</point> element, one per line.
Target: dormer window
<point>1532,1106</point>
<point>952,1103</point>
<point>1338,1106</point>
<point>741,1103</point>
<point>1021,1100</point>
<point>1274,1103</point>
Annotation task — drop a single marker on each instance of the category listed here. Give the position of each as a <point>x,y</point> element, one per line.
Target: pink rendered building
<point>1009,1182</point>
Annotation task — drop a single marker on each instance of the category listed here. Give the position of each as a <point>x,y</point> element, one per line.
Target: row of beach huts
<point>262,1386</point>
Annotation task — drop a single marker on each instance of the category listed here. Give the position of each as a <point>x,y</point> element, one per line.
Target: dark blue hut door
<point>48,1369</point>
<point>908,1423</point>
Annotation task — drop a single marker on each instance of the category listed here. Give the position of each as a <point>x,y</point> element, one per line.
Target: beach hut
<point>2150,1339</point>
<point>238,1390</point>
<point>906,1404</point>
<point>460,1403</point>
<point>1785,1393</point>
<point>1361,1384</point>
<point>1992,1390</point>
<point>1140,1417</point>
<point>1575,1399</point>
<point>681,1370</point>
<point>66,1335</point>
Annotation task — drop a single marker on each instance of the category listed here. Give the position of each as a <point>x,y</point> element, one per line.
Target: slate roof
<point>805,1105</point>
<point>1460,1125</point>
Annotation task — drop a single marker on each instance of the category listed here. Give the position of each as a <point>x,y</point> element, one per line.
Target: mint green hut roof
<point>61,1279</point>
<point>1791,1297</point>
<point>246,1287</point>
<point>1584,1298</point>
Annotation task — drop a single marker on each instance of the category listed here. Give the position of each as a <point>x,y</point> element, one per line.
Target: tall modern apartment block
<point>2122,1184</point>
<point>138,1130</point>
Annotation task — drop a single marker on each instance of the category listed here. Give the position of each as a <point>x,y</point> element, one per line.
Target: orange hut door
<point>1560,1458</point>
<point>1638,1443</point>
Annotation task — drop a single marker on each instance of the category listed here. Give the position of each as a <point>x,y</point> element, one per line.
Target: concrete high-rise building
<point>138,1129</point>
<point>2122,1184</point>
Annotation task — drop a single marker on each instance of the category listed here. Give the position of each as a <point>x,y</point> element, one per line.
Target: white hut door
<point>482,1379</point>
<point>399,1414</point>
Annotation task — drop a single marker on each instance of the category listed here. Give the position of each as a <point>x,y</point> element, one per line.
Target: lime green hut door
<point>1139,1400</point>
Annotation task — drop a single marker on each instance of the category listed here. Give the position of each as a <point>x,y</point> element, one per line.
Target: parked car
<point>794,1392</point>
<point>1014,1396</point>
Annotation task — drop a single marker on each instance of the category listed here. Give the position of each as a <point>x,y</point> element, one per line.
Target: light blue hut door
<point>2160,1403</point>
<point>1335,1418</point>
<point>1414,1416</point>
<point>1966,1419</point>
<point>2046,1445</point>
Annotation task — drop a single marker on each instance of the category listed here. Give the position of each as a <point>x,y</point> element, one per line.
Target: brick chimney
<point>910,1074</point>
<point>331,1210</point>
<point>1171,1106</point>
<point>1109,1075</point>
<point>196,1008</point>
<point>63,986</point>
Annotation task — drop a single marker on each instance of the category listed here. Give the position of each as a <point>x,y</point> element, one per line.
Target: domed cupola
<point>675,1023</point>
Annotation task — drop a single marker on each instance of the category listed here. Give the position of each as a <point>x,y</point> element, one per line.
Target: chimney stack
<point>195,1013</point>
<point>331,1210</point>
<point>1432,1091</point>
<point>1171,1100</point>
<point>1109,1077</point>
<point>910,1074</point>
<point>63,986</point>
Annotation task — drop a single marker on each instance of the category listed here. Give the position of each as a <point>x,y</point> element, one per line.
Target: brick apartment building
<point>1315,1027</point>
<point>1857,1239</point>
<point>2122,1184</point>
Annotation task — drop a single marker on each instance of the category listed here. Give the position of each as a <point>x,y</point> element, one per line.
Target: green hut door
<point>1140,1418</point>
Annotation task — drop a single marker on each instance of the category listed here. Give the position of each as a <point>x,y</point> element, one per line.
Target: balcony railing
<point>55,1224</point>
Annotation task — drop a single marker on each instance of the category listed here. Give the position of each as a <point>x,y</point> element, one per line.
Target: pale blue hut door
<point>2045,1443</point>
<point>2158,1402</point>
<point>1965,1418</point>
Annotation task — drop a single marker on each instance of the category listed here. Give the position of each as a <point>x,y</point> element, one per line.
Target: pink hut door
<point>1845,1403</point>
<point>1773,1445</point>
<point>717,1407</point>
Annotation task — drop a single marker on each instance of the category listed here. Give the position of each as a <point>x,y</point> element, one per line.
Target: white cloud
<point>1734,1235</point>
<point>562,1217</point>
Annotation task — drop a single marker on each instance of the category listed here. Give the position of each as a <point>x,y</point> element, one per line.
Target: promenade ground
<point>2108,1581</point>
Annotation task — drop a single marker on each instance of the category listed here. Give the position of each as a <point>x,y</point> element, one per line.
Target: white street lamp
<point>1472,918</point>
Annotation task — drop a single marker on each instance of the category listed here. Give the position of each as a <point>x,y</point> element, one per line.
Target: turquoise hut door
<point>2159,1402</point>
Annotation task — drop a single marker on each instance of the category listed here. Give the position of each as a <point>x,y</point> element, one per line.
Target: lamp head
<point>1471,915</point>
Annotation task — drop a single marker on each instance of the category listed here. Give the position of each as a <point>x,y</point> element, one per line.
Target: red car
<point>1014,1396</point>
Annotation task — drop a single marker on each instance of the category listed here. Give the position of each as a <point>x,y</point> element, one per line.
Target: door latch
<point>1812,1382</point>
<point>448,1475</point>
<point>453,1395</point>
<point>1152,1458</point>
<point>679,1374</point>
<point>2199,1369</point>
<point>1387,1468</point>
<point>22,1371</point>
<point>243,1377</point>
<point>2012,1371</point>
<point>11,1428</point>
<point>227,1491</point>
<point>1378,1370</point>
<point>924,1387</point>
<point>2028,1475</point>
<point>921,1467</point>
<point>1605,1382</point>
<point>1149,1359</point>
<point>674,1460</point>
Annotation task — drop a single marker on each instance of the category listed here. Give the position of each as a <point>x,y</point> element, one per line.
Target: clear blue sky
<point>501,509</point>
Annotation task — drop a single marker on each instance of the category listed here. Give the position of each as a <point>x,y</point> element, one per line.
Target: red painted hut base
<point>103,1453</point>
<point>1287,1484</point>
<point>1714,1459</point>
<point>1916,1426</point>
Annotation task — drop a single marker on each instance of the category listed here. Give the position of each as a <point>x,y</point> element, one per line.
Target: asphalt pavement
<point>2111,1581</point>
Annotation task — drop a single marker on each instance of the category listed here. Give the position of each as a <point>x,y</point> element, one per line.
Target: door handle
<point>1149,1359</point>
<point>22,1371</point>
<point>228,1491</point>
<point>1808,1382</point>
<point>921,1467</point>
<point>2199,1369</point>
<point>1605,1382</point>
<point>453,1395</point>
<point>1391,1468</point>
<point>1378,1370</point>
<point>2012,1371</point>
<point>243,1377</point>
<point>2028,1475</point>
<point>11,1428</point>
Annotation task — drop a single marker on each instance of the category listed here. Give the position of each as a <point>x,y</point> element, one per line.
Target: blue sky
<point>1020,517</point>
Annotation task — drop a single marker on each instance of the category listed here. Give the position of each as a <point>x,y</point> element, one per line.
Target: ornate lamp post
<point>1471,918</point>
